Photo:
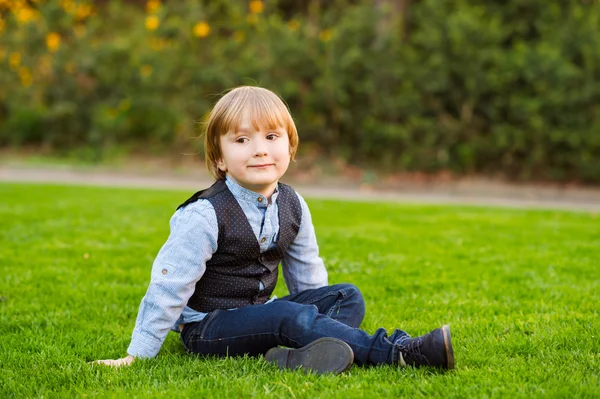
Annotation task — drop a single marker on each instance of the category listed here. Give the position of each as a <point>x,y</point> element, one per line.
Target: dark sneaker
<point>432,349</point>
<point>325,355</point>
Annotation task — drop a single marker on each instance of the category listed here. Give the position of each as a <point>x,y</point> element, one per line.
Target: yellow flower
<point>83,11</point>
<point>53,41</point>
<point>152,22</point>
<point>14,4</point>
<point>25,15</point>
<point>293,25</point>
<point>69,6</point>
<point>146,70</point>
<point>325,35</point>
<point>256,6</point>
<point>14,60</point>
<point>152,6</point>
<point>25,75</point>
<point>201,29</point>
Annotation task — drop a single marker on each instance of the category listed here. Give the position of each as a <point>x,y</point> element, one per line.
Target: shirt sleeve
<point>180,263</point>
<point>301,265</point>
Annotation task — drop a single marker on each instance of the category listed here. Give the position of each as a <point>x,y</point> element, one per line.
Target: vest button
<point>164,271</point>
<point>262,240</point>
<point>259,199</point>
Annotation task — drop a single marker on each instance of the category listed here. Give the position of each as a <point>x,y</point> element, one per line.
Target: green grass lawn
<point>520,289</point>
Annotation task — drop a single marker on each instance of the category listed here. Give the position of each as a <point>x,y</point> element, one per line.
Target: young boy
<point>213,278</point>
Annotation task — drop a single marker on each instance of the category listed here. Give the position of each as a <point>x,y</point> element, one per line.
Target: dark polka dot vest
<point>234,272</point>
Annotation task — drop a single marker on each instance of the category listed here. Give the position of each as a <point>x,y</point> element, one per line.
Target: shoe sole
<point>324,355</point>
<point>448,347</point>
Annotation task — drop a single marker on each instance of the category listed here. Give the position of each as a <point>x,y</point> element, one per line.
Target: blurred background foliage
<point>507,88</point>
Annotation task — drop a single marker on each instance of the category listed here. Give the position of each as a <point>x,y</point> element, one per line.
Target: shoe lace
<point>411,350</point>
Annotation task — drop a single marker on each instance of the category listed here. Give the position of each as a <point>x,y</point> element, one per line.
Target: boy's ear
<point>221,165</point>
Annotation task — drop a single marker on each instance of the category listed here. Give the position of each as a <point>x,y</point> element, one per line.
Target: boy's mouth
<point>263,165</point>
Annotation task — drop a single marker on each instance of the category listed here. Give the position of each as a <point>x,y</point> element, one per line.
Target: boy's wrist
<point>143,346</point>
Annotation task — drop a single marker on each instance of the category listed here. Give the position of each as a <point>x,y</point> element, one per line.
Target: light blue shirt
<point>181,262</point>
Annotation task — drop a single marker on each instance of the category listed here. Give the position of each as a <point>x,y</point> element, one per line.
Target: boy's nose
<point>260,149</point>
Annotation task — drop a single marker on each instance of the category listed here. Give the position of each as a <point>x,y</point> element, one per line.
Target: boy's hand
<point>124,361</point>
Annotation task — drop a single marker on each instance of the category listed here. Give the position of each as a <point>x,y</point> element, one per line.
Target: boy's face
<point>255,159</point>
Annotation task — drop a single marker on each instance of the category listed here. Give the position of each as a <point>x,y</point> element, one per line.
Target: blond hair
<point>267,110</point>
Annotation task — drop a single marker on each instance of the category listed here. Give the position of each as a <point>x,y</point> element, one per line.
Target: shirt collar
<point>243,194</point>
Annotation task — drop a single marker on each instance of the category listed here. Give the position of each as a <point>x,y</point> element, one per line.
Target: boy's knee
<point>350,289</point>
<point>306,316</point>
<point>352,292</point>
<point>299,319</point>
<point>354,298</point>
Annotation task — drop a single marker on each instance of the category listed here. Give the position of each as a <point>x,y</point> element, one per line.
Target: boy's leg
<point>344,303</point>
<point>341,302</point>
<point>255,329</point>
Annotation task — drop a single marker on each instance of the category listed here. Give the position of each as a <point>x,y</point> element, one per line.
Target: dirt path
<point>470,192</point>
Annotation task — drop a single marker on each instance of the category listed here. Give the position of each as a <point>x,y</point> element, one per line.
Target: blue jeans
<point>293,321</point>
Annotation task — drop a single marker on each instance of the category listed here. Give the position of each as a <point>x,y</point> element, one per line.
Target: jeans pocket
<point>186,333</point>
<point>196,331</point>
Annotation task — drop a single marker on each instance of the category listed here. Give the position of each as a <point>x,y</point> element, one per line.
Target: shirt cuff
<point>143,345</point>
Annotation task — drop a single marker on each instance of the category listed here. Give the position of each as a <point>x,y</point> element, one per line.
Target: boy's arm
<point>180,263</point>
<point>302,267</point>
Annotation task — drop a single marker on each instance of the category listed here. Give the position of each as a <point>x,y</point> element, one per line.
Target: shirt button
<point>262,240</point>
<point>164,271</point>
<point>259,199</point>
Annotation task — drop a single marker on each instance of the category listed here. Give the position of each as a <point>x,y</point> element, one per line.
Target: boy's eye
<point>272,136</point>
<point>241,140</point>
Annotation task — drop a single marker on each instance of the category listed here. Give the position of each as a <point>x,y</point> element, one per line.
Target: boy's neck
<point>266,192</point>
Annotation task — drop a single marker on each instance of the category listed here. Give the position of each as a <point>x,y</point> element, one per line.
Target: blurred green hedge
<point>472,86</point>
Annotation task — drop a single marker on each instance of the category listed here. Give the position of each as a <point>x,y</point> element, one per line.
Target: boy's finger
<point>104,362</point>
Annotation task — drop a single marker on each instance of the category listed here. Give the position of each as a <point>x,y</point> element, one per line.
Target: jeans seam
<point>235,337</point>
<point>183,342</point>
<point>337,305</point>
<point>188,338</point>
<point>293,340</point>
<point>394,349</point>
<point>192,335</point>
<point>243,336</point>
<point>209,318</point>
<point>343,292</point>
